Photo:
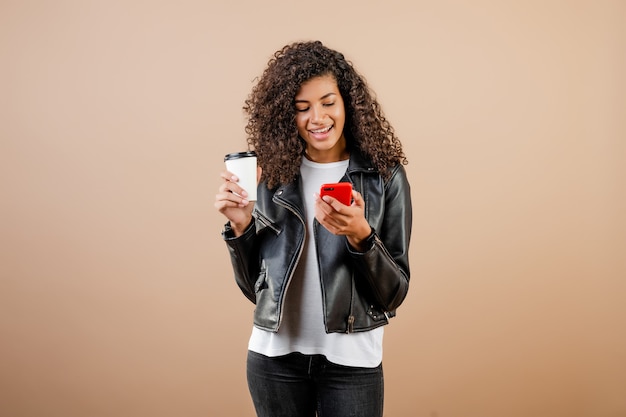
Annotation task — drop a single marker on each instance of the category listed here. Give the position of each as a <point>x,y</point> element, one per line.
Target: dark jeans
<point>298,385</point>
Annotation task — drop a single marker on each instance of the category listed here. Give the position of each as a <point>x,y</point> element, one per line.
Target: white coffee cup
<point>243,165</point>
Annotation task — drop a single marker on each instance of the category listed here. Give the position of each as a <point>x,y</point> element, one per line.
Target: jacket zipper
<point>265,222</point>
<point>300,249</point>
<point>351,317</point>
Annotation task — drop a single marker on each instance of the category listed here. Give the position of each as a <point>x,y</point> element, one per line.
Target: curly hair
<point>271,113</point>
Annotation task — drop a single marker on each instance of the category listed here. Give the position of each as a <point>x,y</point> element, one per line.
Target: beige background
<point>116,294</point>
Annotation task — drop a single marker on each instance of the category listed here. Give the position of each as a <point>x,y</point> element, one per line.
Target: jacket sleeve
<point>243,252</point>
<point>385,263</point>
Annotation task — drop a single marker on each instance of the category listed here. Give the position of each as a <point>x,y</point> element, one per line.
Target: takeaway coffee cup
<point>243,165</point>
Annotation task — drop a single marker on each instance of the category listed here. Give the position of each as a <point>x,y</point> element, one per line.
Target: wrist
<point>238,228</point>
<point>363,241</point>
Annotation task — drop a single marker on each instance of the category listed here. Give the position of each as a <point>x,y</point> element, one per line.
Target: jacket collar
<point>289,193</point>
<point>359,163</point>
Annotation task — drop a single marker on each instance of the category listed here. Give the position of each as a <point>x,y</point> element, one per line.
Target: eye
<point>302,110</point>
<point>329,104</point>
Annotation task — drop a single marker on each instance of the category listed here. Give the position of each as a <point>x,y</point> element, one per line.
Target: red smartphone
<point>342,191</point>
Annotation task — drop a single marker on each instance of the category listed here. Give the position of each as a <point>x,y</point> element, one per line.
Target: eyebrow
<point>321,98</point>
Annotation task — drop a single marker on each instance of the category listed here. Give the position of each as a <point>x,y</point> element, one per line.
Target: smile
<point>323,130</point>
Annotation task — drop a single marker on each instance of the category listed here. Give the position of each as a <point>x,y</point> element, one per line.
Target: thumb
<point>357,199</point>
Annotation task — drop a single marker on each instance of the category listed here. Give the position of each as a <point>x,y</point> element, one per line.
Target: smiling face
<point>320,118</point>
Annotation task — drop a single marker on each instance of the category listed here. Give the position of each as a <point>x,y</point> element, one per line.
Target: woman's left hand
<point>344,220</point>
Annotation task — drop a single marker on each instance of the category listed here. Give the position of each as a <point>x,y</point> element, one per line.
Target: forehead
<point>317,87</point>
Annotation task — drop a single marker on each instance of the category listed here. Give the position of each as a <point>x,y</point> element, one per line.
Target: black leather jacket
<point>360,290</point>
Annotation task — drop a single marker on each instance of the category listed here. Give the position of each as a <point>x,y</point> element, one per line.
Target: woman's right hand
<point>231,202</point>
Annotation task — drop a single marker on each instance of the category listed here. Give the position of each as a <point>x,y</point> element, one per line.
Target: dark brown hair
<point>271,113</point>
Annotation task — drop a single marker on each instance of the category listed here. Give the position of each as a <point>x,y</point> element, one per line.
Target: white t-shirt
<point>302,329</point>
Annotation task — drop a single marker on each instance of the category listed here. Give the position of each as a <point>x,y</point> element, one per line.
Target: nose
<point>317,114</point>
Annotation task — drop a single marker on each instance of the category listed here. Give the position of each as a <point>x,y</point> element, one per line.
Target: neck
<point>323,159</point>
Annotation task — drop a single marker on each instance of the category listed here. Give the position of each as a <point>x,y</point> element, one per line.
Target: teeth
<point>326,129</point>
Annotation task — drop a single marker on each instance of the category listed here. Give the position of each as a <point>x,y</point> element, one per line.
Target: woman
<point>325,277</point>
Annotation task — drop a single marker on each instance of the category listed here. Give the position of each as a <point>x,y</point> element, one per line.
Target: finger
<point>324,204</point>
<point>229,176</point>
<point>233,187</point>
<point>329,217</point>
<point>230,191</point>
<point>223,205</point>
<point>357,198</point>
<point>336,205</point>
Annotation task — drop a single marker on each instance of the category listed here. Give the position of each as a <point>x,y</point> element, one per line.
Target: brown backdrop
<point>116,294</point>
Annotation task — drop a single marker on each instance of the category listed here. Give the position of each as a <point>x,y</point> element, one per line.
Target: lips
<point>321,133</point>
<point>322,130</point>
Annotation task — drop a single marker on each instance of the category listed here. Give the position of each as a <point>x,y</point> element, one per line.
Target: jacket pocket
<point>377,314</point>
